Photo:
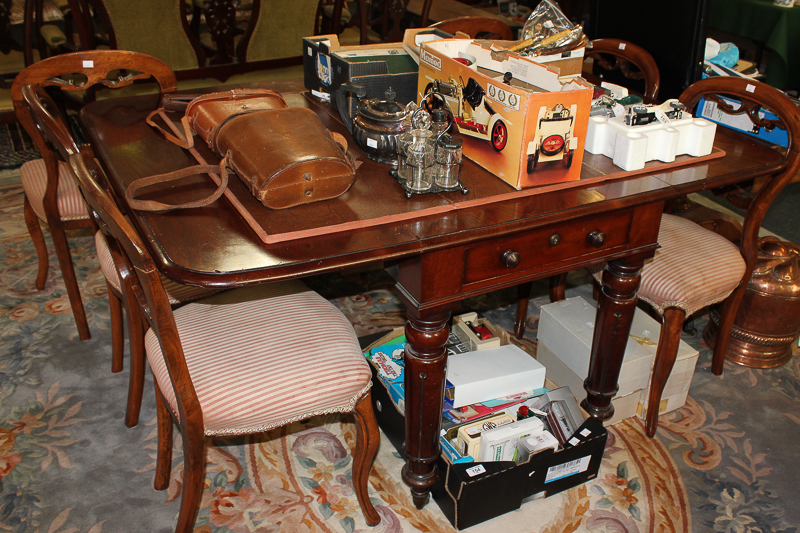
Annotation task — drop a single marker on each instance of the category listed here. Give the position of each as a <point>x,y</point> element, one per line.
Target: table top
<point>213,246</point>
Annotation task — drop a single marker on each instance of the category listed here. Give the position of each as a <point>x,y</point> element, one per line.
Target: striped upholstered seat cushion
<point>71,205</point>
<point>176,292</point>
<point>694,267</point>
<point>264,356</point>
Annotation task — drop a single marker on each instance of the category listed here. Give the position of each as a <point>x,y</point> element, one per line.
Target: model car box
<point>520,120</point>
<point>375,67</point>
<point>566,329</point>
<point>568,62</point>
<point>472,492</point>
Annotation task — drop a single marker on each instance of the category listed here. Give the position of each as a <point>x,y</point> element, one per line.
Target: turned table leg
<point>425,365</point>
<point>615,309</point>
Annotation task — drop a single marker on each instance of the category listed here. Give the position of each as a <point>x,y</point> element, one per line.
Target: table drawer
<point>532,249</point>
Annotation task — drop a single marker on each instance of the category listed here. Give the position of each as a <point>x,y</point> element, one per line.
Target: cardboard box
<point>566,329</point>
<point>520,120</point>
<point>488,374</point>
<point>470,493</point>
<point>711,110</point>
<point>569,63</point>
<point>624,406</point>
<point>677,387</point>
<point>376,67</point>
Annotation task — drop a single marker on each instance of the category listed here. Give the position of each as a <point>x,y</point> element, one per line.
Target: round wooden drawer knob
<point>511,258</point>
<point>596,238</point>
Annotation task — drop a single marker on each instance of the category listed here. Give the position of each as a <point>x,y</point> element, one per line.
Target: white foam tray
<point>631,147</point>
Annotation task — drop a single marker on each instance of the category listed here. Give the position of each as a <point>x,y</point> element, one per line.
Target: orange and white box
<point>520,120</point>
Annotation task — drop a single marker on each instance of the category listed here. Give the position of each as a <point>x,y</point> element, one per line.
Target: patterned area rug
<point>724,462</point>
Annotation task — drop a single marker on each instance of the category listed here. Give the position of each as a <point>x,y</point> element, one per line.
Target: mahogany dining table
<point>440,248</point>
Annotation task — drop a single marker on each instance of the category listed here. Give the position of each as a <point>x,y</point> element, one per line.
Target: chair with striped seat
<point>241,362</point>
<point>51,194</point>
<point>695,267</point>
<point>177,295</point>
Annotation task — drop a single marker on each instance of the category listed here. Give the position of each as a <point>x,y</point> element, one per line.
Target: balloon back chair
<point>477,27</point>
<point>241,362</point>
<point>694,267</point>
<point>750,98</point>
<point>632,61</point>
<point>51,194</point>
<point>386,17</point>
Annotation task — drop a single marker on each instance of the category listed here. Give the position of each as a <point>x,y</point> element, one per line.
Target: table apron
<point>446,276</point>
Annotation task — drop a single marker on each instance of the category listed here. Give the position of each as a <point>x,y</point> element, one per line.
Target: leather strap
<point>152,205</point>
<point>188,135</point>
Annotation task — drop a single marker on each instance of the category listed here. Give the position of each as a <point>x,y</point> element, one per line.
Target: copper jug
<point>768,320</point>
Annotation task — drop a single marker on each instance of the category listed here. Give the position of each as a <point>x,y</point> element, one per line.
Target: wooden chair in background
<point>632,61</point>
<point>477,27</point>
<point>387,20</point>
<point>43,40</point>
<point>242,362</point>
<point>696,268</point>
<point>752,98</point>
<point>51,193</point>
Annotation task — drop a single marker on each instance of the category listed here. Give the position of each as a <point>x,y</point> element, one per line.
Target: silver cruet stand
<point>429,160</point>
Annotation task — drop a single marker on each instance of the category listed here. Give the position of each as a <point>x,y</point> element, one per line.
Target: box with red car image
<point>521,120</point>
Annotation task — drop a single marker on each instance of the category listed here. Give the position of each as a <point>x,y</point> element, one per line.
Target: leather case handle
<point>152,205</point>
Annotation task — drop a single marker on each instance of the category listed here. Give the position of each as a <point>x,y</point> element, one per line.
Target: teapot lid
<point>387,110</point>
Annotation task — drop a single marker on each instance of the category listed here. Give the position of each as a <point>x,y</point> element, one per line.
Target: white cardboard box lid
<point>488,374</point>
<point>625,405</point>
<point>567,327</point>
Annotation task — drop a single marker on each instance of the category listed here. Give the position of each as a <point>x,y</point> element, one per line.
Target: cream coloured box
<point>566,329</point>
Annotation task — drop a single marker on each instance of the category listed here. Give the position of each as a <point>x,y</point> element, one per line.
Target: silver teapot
<point>377,123</point>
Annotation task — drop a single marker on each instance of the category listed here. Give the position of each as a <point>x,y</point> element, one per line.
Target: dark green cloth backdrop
<point>778,28</point>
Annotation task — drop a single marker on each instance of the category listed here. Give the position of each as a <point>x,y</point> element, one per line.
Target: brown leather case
<point>285,155</point>
<point>207,114</point>
<point>291,158</point>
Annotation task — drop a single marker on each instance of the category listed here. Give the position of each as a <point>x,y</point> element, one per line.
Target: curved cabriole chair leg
<point>667,351</point>
<point>194,457</point>
<point>136,329</point>
<point>70,280</point>
<point>35,231</point>
<point>726,318</point>
<point>523,297</point>
<point>367,441</point>
<point>558,287</point>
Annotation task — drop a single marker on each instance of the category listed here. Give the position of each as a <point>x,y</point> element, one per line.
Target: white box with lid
<point>566,329</point>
